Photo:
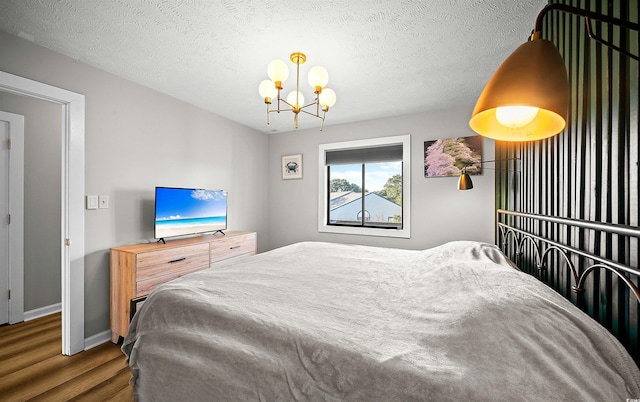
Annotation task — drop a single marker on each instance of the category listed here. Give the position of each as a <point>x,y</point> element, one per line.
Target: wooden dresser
<point>137,269</point>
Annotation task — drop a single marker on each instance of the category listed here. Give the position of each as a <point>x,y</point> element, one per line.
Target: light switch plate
<point>92,202</point>
<point>103,201</point>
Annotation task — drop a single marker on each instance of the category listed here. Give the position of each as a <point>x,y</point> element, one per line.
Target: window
<point>364,187</point>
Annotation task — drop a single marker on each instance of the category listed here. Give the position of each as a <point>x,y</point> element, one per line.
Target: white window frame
<point>323,189</point>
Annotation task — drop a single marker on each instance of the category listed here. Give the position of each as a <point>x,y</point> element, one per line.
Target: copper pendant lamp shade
<point>464,182</point>
<point>533,76</point>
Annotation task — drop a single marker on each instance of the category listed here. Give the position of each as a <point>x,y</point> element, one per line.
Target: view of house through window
<point>365,194</point>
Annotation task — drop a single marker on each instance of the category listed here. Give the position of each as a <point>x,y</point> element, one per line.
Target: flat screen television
<point>188,211</point>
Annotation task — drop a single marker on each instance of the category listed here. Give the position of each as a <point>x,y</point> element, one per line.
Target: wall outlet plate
<point>103,201</point>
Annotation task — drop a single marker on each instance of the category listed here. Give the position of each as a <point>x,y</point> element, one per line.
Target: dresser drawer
<point>235,246</point>
<point>161,263</point>
<point>145,287</point>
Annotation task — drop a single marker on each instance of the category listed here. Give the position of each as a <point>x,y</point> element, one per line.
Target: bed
<point>318,321</point>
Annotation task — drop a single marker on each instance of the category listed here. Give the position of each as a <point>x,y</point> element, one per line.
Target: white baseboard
<point>42,311</point>
<point>97,339</point>
<point>90,342</point>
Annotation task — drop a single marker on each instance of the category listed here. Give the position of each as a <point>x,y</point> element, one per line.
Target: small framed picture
<point>292,167</point>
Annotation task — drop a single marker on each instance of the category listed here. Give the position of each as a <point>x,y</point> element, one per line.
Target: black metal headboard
<point>593,264</point>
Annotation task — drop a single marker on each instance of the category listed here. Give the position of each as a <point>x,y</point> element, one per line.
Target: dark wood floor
<point>32,367</point>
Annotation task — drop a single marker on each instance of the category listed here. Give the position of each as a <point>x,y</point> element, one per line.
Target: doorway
<point>72,190</point>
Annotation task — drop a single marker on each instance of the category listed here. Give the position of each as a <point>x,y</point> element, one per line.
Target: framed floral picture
<point>292,167</point>
<point>447,157</point>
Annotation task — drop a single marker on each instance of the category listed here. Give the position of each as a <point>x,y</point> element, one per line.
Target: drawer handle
<point>178,260</point>
<point>231,248</point>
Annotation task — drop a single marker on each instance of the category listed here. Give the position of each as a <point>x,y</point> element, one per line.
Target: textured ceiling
<point>384,57</point>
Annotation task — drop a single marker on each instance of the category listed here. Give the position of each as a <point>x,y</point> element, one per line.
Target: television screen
<point>184,211</point>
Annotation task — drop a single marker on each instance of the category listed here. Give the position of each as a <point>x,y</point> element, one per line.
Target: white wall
<point>135,139</point>
<point>439,211</point>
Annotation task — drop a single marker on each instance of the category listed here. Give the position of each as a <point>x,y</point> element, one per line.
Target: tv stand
<point>161,240</point>
<point>137,269</point>
<point>218,231</point>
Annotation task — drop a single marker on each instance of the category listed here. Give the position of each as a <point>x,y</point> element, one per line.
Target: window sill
<point>401,233</point>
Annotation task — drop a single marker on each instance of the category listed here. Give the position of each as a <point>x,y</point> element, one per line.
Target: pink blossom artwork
<point>447,157</point>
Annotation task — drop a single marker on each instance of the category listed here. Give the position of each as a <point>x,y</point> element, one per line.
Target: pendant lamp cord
<point>588,15</point>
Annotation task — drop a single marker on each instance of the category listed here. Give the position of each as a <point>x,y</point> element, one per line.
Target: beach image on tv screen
<point>187,211</point>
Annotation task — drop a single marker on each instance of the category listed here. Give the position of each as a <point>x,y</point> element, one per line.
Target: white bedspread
<point>331,322</point>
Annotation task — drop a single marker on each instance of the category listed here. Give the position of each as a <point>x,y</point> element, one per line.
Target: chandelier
<point>318,77</point>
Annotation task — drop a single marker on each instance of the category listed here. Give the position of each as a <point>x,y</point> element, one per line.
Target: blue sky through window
<point>377,173</point>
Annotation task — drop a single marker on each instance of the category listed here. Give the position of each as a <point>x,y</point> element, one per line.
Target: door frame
<point>16,209</point>
<point>72,194</point>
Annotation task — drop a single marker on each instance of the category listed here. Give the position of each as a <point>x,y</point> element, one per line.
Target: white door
<point>11,218</point>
